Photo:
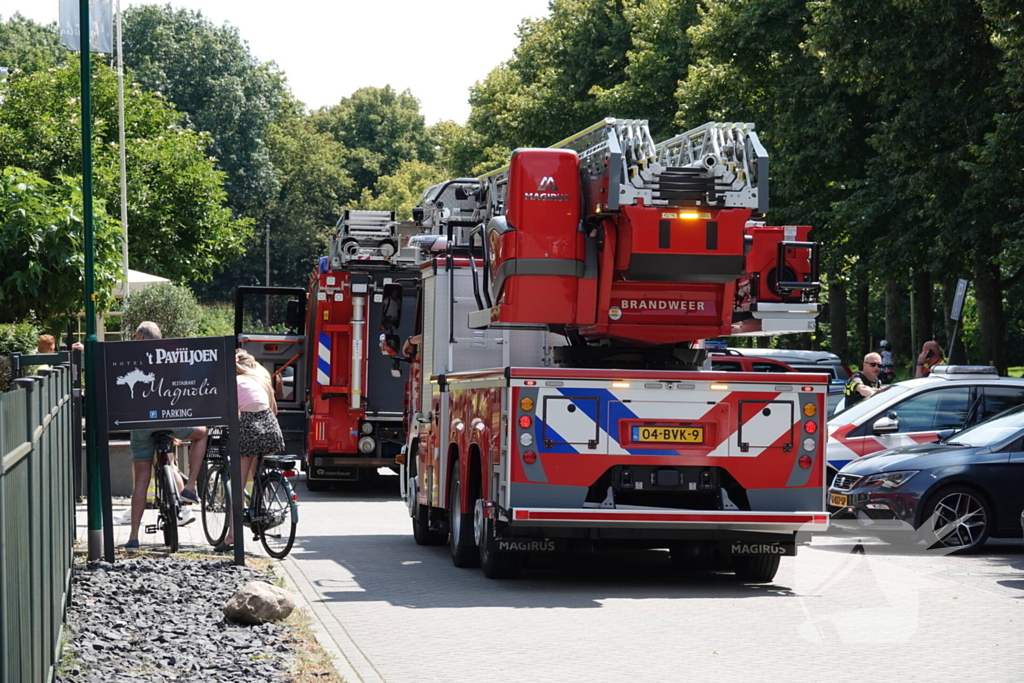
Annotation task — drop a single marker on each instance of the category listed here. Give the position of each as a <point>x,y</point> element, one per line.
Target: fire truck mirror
<point>293,317</point>
<point>391,307</point>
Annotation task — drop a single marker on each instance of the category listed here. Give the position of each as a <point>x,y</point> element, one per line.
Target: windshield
<point>993,431</point>
<point>858,411</point>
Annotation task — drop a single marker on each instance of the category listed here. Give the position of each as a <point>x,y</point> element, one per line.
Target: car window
<point>726,365</point>
<point>998,399</point>
<point>994,431</point>
<point>934,410</point>
<point>868,405</point>
<point>768,367</point>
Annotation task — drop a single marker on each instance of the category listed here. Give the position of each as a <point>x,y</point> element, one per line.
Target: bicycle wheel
<point>169,506</point>
<point>215,501</point>
<point>277,514</point>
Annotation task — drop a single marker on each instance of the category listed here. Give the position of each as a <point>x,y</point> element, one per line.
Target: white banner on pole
<point>101,32</point>
<point>958,299</point>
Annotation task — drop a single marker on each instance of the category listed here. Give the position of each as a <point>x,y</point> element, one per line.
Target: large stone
<point>258,602</point>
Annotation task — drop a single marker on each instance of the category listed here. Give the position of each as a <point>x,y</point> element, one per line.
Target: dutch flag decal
<point>323,362</point>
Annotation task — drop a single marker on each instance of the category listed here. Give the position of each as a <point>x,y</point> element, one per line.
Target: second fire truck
<point>556,397</point>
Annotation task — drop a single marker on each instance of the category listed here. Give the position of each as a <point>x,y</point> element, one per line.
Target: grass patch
<point>312,663</point>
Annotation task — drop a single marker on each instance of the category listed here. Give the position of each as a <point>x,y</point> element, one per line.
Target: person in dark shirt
<point>864,383</point>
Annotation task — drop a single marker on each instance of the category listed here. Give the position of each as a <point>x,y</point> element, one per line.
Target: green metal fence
<point>37,522</point>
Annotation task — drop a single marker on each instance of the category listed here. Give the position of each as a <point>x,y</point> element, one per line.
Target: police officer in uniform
<point>864,383</point>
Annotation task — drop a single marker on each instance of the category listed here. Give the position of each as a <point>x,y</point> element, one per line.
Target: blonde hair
<point>246,365</point>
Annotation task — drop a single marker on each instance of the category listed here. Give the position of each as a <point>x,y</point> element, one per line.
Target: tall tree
<point>380,128</point>
<point>179,225</point>
<point>29,46</point>
<point>208,72</point>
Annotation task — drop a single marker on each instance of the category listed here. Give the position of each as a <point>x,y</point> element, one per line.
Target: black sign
<point>168,383</point>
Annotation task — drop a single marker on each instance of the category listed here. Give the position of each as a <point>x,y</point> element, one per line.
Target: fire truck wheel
<point>421,531</point>
<point>464,550</point>
<point>496,564</point>
<point>755,568</point>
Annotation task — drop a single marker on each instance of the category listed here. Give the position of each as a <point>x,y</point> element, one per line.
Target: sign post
<point>957,310</point>
<point>167,383</point>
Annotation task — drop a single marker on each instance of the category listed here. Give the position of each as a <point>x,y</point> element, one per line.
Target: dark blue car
<point>956,492</point>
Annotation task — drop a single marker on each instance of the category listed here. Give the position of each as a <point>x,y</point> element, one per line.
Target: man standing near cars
<point>143,447</point>
<point>864,383</point>
<point>930,356</point>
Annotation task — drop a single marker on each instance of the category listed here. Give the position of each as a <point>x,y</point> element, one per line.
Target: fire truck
<point>556,393</point>
<point>338,405</point>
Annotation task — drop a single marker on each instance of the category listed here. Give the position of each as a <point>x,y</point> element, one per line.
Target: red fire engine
<point>555,395</point>
<point>338,404</point>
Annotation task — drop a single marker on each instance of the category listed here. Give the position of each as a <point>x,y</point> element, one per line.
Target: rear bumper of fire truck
<point>672,520</point>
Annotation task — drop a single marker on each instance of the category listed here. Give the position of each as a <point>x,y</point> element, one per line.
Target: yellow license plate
<point>836,499</point>
<point>668,434</point>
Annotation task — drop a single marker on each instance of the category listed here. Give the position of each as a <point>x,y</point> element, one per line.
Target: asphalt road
<point>841,610</point>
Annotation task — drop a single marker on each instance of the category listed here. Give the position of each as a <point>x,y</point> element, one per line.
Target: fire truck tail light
<point>810,427</point>
<point>806,388</point>
<point>530,382</point>
<point>529,457</point>
<point>805,461</point>
<point>526,404</point>
<point>810,410</point>
<point>525,421</point>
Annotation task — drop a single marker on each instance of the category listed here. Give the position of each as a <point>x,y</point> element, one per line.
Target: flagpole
<point>124,164</point>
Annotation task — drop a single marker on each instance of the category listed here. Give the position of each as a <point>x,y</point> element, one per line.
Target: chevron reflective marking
<point>323,363</point>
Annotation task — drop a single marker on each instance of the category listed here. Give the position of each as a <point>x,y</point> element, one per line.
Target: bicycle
<point>166,491</point>
<point>271,513</point>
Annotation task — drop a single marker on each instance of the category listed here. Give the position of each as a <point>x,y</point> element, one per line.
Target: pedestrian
<point>930,356</point>
<point>257,421</point>
<point>888,365</point>
<point>864,383</point>
<point>143,447</point>
<point>46,344</point>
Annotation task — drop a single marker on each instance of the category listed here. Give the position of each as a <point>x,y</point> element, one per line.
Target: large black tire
<point>756,568</point>
<point>278,514</point>
<point>214,503</point>
<point>497,564</point>
<point>169,507</point>
<point>460,538</point>
<point>421,531</point>
<point>974,515</point>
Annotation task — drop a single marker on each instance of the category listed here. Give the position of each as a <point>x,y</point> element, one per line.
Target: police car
<point>952,397</point>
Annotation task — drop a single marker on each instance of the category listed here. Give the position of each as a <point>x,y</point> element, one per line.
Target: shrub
<point>17,337</point>
<point>216,320</point>
<point>170,306</point>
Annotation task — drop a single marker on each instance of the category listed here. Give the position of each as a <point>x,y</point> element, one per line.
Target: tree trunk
<point>840,341</point>
<point>863,333</point>
<point>895,320</point>
<point>924,314</point>
<point>988,293</point>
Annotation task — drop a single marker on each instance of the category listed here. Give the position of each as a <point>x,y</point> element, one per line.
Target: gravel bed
<point>157,619</point>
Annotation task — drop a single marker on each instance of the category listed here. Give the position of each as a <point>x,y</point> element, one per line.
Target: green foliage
<point>400,192</point>
<point>208,72</point>
<point>216,320</point>
<point>179,226</point>
<point>172,307</point>
<point>42,249</point>
<point>28,46</point>
<point>18,338</point>
<point>380,128</point>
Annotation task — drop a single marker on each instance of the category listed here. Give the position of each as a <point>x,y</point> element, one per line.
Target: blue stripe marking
<point>538,427</point>
<point>616,411</point>
<point>838,464</point>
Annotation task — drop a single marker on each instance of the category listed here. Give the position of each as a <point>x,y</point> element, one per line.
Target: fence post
<point>35,609</point>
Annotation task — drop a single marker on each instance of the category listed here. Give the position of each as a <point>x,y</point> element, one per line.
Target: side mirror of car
<point>886,425</point>
<point>944,434</point>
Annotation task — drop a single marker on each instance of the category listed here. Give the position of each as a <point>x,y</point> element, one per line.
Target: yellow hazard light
<point>620,385</point>
<point>810,410</point>
<point>719,387</point>
<point>694,215</point>
<point>526,404</point>
<point>327,314</point>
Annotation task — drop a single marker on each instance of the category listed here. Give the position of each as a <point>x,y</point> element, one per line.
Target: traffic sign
<point>958,299</point>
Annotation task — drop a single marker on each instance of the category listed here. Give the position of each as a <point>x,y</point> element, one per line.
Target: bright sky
<point>328,49</point>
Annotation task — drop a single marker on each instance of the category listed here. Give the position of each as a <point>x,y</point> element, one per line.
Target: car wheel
<point>958,518</point>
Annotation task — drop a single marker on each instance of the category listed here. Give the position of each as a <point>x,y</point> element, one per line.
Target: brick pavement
<point>399,612</point>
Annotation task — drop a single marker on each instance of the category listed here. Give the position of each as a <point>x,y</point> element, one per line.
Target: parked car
<point>914,411</point>
<point>957,492</point>
<point>801,361</point>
